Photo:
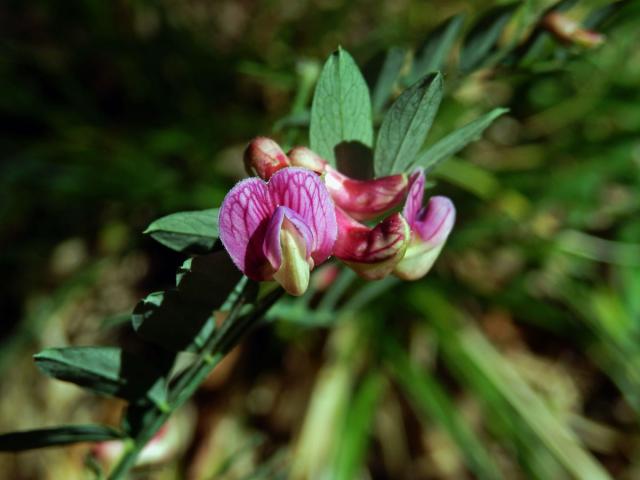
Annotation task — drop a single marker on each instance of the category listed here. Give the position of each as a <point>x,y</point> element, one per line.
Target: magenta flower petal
<point>303,192</point>
<point>434,222</point>
<point>272,247</point>
<point>242,221</point>
<point>430,227</point>
<point>281,229</point>
<point>413,204</point>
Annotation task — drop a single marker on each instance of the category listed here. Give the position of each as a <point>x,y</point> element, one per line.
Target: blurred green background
<point>517,357</point>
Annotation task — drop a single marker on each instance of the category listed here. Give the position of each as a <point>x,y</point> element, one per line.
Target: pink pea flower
<point>371,252</point>
<point>430,227</point>
<point>281,229</point>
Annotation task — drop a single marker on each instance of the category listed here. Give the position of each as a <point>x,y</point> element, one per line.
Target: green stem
<point>218,345</point>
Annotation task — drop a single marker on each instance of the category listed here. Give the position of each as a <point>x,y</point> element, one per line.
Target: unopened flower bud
<point>568,30</point>
<point>264,157</point>
<point>306,158</point>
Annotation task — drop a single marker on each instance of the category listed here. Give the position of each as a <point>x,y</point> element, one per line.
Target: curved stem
<point>219,344</point>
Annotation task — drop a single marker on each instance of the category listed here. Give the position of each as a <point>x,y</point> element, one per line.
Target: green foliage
<point>387,77</point>
<point>203,285</point>
<point>431,55</point>
<point>186,232</point>
<point>456,140</point>
<point>482,38</point>
<point>406,125</point>
<point>341,109</point>
<point>56,437</point>
<point>105,370</point>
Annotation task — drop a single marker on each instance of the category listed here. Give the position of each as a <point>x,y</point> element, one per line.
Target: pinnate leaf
<point>457,140</point>
<point>104,370</point>
<point>56,436</point>
<point>189,232</point>
<point>406,125</point>
<point>341,108</point>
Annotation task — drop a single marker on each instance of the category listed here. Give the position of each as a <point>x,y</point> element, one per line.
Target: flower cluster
<point>302,210</point>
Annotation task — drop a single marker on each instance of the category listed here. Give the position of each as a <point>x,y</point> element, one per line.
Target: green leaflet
<point>406,125</point>
<point>341,108</point>
<point>435,48</point>
<point>105,370</point>
<point>483,36</point>
<point>191,232</point>
<point>456,140</point>
<point>56,436</point>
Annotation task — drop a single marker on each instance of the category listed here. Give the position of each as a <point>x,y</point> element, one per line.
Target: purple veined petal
<point>243,218</point>
<point>413,204</point>
<point>434,222</point>
<point>272,247</point>
<point>303,192</point>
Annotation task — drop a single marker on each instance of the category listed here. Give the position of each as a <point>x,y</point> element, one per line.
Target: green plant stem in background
<point>218,345</point>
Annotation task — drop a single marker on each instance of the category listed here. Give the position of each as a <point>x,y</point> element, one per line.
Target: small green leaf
<point>456,140</point>
<point>193,232</point>
<point>387,77</point>
<point>484,35</point>
<point>105,370</point>
<point>56,436</point>
<point>406,125</point>
<point>435,48</point>
<point>341,108</point>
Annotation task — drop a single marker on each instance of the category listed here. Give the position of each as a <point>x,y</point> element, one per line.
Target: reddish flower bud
<point>264,157</point>
<point>371,252</point>
<point>306,158</point>
<point>568,30</point>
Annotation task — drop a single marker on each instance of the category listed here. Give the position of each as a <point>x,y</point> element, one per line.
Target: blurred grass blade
<point>387,78</point>
<point>352,444</point>
<point>469,177</point>
<point>471,352</point>
<point>483,36</point>
<point>187,232</point>
<point>435,48</point>
<point>456,140</point>
<point>56,436</point>
<point>406,125</point>
<point>598,249</point>
<point>433,404</point>
<point>341,108</point>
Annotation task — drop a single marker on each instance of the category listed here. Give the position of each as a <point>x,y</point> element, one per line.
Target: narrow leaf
<point>341,108</point>
<point>457,140</point>
<point>192,232</point>
<point>353,442</point>
<point>387,77</point>
<point>406,125</point>
<point>483,36</point>
<point>56,436</point>
<point>435,48</point>
<point>105,370</point>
